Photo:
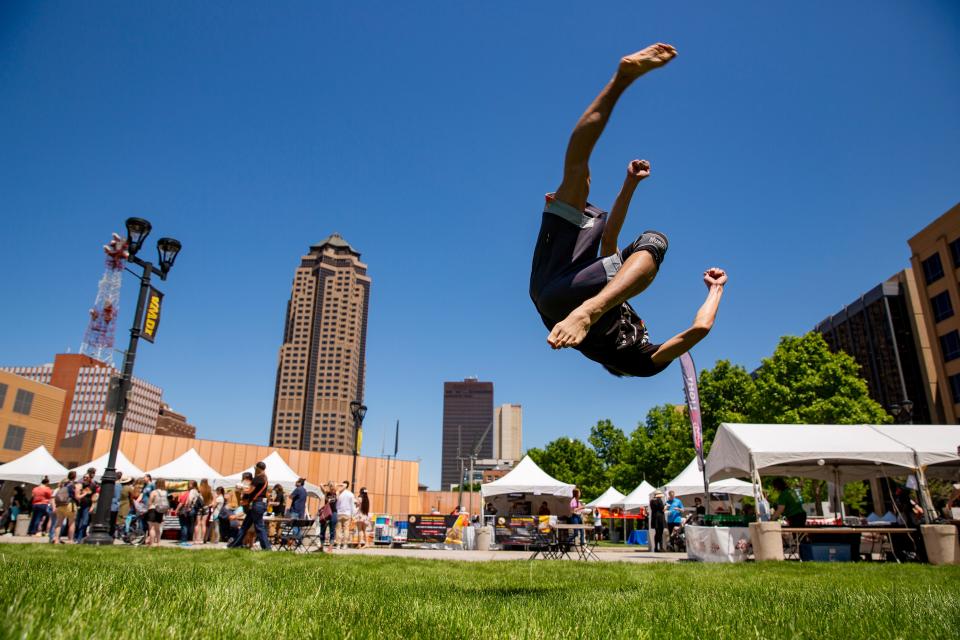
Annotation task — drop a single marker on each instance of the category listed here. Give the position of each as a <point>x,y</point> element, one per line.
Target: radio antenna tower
<point>98,339</point>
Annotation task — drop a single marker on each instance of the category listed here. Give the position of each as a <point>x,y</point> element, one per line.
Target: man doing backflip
<point>580,282</point>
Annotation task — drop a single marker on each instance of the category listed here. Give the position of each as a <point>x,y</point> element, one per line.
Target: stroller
<point>677,541</point>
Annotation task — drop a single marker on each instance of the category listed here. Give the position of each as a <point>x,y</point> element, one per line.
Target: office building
<point>883,331</point>
<point>508,432</point>
<point>322,360</point>
<point>87,385</point>
<point>936,266</point>
<point>171,423</point>
<point>467,416</point>
<point>30,414</point>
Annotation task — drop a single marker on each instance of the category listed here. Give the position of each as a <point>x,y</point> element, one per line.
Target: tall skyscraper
<point>322,360</point>
<point>508,432</point>
<point>467,412</point>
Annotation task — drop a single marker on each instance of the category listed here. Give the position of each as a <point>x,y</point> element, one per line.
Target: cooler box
<point>825,552</point>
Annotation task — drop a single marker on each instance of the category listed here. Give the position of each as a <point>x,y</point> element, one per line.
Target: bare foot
<point>571,330</point>
<point>637,64</point>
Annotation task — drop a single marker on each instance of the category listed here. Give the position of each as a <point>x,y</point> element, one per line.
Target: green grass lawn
<point>118,593</point>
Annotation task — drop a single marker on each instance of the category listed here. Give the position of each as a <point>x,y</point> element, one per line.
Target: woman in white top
<point>216,511</point>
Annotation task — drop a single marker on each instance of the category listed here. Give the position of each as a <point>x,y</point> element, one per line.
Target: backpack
<point>163,504</point>
<point>62,497</point>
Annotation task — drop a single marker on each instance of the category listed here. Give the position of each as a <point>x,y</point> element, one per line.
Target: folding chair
<point>545,544</point>
<point>292,534</point>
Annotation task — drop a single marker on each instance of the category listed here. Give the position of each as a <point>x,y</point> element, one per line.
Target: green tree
<point>608,441</point>
<point>657,450</point>
<point>805,383</point>
<point>727,394</point>
<point>572,461</point>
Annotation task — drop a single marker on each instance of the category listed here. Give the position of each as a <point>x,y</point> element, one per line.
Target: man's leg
<point>575,186</point>
<point>257,510</point>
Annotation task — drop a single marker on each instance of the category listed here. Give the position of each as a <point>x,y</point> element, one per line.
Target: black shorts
<point>154,516</point>
<point>567,270</point>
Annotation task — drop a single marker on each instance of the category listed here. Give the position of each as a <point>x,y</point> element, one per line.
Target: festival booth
<point>689,482</point>
<point>517,497</point>
<point>632,508</point>
<point>177,473</point>
<point>33,467</point>
<point>278,472</point>
<point>123,465</point>
<point>835,453</point>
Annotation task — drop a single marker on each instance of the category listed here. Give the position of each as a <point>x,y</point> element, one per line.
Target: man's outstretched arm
<point>637,170</point>
<point>715,279</point>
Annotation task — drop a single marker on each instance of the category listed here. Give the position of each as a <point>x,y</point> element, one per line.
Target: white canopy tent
<point>937,447</point>
<point>100,464</point>
<point>606,499</point>
<point>639,497</point>
<point>33,467</point>
<point>825,452</point>
<point>526,477</point>
<point>690,482</point>
<point>278,472</point>
<point>189,466</point>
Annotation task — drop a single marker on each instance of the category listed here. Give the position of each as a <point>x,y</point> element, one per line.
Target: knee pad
<point>653,242</point>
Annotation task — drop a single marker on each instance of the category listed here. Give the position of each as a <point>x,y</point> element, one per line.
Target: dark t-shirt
<point>620,342</point>
<point>259,491</point>
<point>656,512</point>
<point>298,500</point>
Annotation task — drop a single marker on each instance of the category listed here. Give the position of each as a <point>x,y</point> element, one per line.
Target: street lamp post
<point>358,411</point>
<point>167,249</point>
<point>903,412</point>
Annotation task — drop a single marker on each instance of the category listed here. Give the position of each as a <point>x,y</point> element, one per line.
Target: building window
<point>942,308</point>
<point>23,402</point>
<point>14,439</point>
<point>955,253</point>
<point>932,268</point>
<point>955,388</point>
<point>3,394</point>
<point>950,344</point>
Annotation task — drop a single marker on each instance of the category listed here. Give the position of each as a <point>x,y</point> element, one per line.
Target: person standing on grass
<point>674,512</point>
<point>298,500</point>
<point>657,520</point>
<point>187,508</point>
<point>157,507</point>
<point>115,501</point>
<point>576,512</point>
<point>42,493</point>
<point>85,502</point>
<point>328,516</point>
<point>19,503</point>
<point>346,507</point>
<point>362,517</point>
<point>597,524</point>
<point>206,500</point>
<point>65,509</point>
<point>256,494</point>
<point>219,517</point>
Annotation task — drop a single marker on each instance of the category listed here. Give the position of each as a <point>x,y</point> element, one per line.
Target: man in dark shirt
<point>298,500</point>
<point>88,489</point>
<point>580,282</point>
<point>254,498</point>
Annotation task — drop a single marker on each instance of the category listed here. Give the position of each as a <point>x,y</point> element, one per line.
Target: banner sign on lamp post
<point>151,316</point>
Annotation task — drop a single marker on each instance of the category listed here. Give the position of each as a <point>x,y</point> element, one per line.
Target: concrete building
<point>30,415</point>
<point>508,432</point>
<point>884,332</point>
<point>936,266</point>
<point>467,414</point>
<point>149,451</point>
<point>322,360</point>
<point>87,384</point>
<point>171,423</point>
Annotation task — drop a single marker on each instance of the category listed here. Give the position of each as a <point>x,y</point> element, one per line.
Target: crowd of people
<point>240,516</point>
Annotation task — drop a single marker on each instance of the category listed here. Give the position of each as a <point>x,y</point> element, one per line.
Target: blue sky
<point>797,145</point>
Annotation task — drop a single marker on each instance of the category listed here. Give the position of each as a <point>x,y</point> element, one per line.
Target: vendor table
<point>878,535</point>
<point>717,544</point>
